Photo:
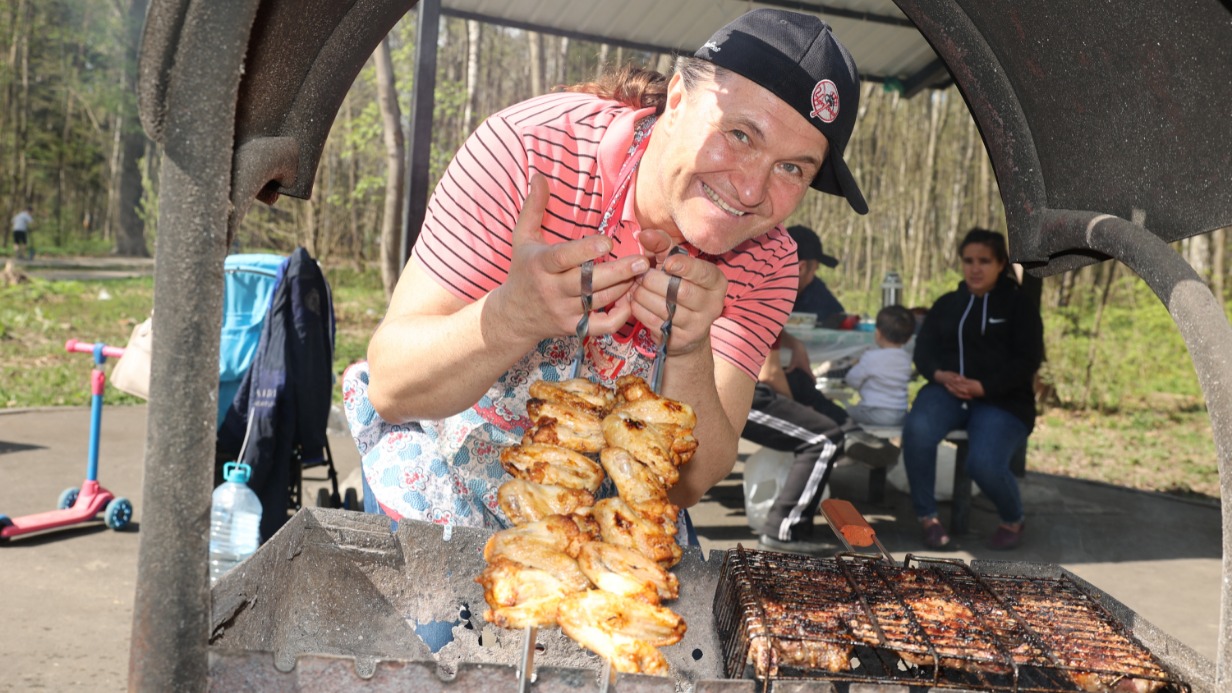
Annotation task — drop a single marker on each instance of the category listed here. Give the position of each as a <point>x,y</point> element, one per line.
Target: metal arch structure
<point>1105,124</point>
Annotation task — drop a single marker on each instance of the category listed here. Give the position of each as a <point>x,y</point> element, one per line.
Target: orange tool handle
<point>844,518</point>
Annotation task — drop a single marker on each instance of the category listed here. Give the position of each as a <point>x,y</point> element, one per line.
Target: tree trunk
<point>19,103</point>
<point>601,62</point>
<point>472,73</point>
<point>1197,254</point>
<point>128,228</point>
<point>562,54</point>
<point>1219,245</point>
<point>395,162</point>
<point>1110,269</point>
<point>536,62</point>
<point>355,246</point>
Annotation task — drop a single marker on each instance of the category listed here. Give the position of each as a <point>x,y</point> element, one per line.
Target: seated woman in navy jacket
<point>979,349</point>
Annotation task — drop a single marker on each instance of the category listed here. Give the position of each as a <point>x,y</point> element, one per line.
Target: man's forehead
<point>742,100</point>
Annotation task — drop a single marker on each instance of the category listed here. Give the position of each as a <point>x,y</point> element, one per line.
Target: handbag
<point>132,371</point>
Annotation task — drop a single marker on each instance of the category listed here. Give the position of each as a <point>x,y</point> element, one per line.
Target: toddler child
<point>882,374</point>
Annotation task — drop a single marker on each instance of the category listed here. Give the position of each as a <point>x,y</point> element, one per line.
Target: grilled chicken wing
<point>627,655</point>
<point>615,614</point>
<point>640,487</point>
<point>623,571</point>
<point>556,423</point>
<point>579,393</point>
<point>621,525</point>
<point>552,464</point>
<point>636,398</point>
<point>650,444</point>
<point>536,553</point>
<point>565,533</point>
<point>526,501</point>
<point>519,596</point>
<point>635,482</point>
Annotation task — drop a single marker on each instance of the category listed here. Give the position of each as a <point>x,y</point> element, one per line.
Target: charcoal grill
<point>857,618</point>
<point>330,603</point>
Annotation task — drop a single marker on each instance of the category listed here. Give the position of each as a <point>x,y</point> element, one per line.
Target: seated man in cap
<point>791,415</point>
<point>619,173</point>
<point>813,296</point>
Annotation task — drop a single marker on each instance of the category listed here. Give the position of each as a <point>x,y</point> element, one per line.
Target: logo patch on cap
<point>825,101</point>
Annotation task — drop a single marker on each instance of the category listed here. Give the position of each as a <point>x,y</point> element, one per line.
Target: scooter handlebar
<point>88,348</point>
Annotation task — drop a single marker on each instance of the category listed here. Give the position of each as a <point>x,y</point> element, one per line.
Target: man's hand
<point>799,353</point>
<point>542,296</point>
<point>699,300</point>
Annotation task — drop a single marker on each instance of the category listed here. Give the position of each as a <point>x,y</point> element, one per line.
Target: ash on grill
<point>931,622</point>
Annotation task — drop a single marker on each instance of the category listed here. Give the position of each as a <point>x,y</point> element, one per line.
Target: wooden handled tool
<point>850,526</point>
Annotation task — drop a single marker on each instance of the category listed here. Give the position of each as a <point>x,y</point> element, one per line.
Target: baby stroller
<point>276,379</point>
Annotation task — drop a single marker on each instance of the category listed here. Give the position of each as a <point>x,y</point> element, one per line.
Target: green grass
<point>1143,423</point>
<point>38,317</point>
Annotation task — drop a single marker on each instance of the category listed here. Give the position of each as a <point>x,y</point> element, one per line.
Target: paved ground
<point>87,268</point>
<point>67,596</point>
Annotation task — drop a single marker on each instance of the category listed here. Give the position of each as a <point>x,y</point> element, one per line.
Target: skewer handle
<point>673,286</point>
<point>526,675</point>
<point>605,676</point>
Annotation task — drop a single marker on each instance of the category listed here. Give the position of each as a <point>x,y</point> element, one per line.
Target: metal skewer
<point>527,674</point>
<point>673,287</point>
<point>583,325</point>
<point>606,677</point>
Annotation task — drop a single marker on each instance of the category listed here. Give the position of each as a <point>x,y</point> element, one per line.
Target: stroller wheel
<point>67,497</point>
<point>323,499</point>
<point>118,513</point>
<point>350,500</point>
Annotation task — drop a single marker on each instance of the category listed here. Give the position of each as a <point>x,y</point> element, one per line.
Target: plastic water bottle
<point>235,521</point>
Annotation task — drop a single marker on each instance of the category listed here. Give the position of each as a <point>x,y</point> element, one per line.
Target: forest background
<point>1118,395</point>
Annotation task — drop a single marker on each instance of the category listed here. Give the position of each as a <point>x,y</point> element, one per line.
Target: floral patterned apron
<point>447,471</point>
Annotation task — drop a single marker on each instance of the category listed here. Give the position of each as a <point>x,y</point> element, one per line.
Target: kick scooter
<point>79,506</point>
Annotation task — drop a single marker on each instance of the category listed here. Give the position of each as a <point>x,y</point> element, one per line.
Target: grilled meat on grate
<point>853,618</point>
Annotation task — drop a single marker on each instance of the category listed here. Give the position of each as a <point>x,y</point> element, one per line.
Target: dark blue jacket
<point>997,339</point>
<point>816,298</point>
<point>284,399</point>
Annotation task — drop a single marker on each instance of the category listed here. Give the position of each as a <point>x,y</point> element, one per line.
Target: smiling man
<point>620,171</point>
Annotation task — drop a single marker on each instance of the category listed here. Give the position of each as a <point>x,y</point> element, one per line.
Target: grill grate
<point>931,622</point>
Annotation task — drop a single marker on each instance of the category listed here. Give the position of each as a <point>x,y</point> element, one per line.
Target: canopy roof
<point>886,45</point>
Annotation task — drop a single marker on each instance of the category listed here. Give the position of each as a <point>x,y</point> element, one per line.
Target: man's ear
<point>676,94</point>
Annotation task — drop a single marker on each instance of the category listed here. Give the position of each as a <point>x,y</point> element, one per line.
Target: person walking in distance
<point>21,233</point>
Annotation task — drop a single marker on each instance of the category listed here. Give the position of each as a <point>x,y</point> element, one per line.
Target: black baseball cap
<point>797,58</point>
<point>808,245</point>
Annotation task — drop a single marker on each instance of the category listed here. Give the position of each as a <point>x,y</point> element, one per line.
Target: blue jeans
<point>993,435</point>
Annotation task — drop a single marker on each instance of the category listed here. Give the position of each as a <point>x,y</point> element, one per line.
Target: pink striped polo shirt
<point>579,142</point>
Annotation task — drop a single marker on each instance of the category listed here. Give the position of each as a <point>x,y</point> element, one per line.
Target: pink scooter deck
<point>91,501</point>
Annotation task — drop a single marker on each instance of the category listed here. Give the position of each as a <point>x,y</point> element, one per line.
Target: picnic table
<point>830,349</point>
